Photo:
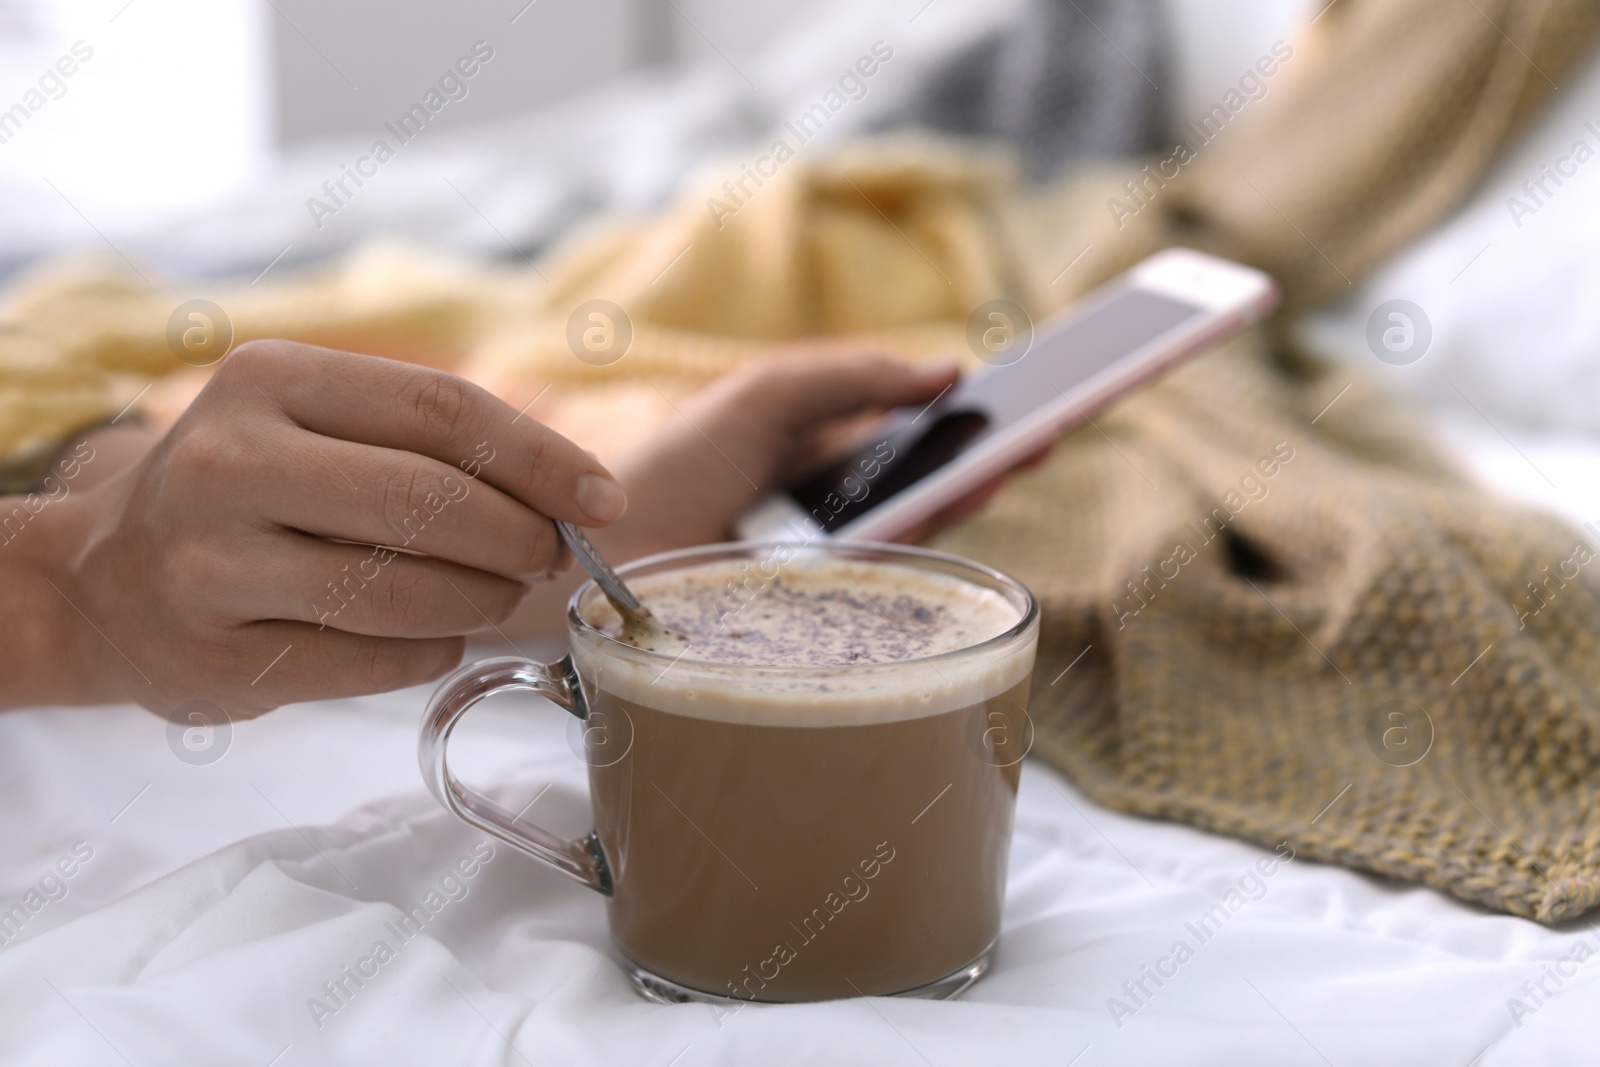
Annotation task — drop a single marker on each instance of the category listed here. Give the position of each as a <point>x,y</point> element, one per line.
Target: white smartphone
<point>916,462</point>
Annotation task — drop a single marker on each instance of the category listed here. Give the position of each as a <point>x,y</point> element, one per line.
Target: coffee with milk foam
<point>801,812</point>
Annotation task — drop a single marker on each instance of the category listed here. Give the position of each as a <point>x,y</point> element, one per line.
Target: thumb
<point>804,393</point>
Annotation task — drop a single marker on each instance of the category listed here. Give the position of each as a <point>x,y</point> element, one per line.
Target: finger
<point>366,590</point>
<point>400,406</point>
<point>973,502</point>
<point>803,392</point>
<point>328,664</point>
<point>379,496</point>
<point>1034,459</point>
<point>964,508</point>
<point>563,561</point>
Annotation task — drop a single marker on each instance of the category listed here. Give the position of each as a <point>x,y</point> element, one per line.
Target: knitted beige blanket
<point>1265,615</point>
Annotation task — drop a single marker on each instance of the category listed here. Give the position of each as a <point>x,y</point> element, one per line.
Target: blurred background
<point>216,138</point>
<point>196,131</point>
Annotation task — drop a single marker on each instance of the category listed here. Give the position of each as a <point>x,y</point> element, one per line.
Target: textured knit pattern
<point>1257,606</point>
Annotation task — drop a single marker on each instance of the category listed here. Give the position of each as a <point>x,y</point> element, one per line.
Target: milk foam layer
<point>819,613</point>
<point>826,641</point>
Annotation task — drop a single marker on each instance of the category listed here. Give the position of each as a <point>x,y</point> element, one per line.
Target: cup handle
<point>579,857</point>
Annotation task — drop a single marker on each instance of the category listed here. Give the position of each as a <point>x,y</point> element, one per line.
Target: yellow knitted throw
<point>1259,608</point>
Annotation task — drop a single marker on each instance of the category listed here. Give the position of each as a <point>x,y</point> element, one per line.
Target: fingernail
<point>601,499</point>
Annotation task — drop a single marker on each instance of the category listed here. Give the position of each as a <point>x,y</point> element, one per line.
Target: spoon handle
<point>606,578</point>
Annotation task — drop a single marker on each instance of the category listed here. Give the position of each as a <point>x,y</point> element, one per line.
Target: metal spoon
<point>640,627</point>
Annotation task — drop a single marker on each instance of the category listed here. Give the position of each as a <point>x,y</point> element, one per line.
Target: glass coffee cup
<point>807,831</point>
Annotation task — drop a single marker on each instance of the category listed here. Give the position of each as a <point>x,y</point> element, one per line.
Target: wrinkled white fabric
<point>275,887</point>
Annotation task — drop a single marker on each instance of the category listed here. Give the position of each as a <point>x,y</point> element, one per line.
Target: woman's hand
<point>755,431</point>
<point>234,562</point>
<point>746,435</point>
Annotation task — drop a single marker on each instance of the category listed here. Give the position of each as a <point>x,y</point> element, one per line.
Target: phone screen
<point>915,444</point>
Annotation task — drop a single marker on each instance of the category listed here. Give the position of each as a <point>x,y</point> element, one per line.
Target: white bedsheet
<point>218,899</point>
<point>288,855</point>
